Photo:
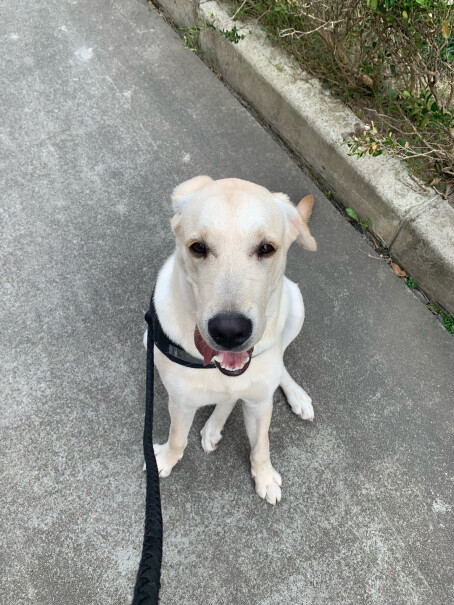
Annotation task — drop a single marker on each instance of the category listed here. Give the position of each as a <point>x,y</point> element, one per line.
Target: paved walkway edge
<point>416,225</point>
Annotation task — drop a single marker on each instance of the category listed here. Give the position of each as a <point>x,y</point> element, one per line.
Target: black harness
<point>169,348</point>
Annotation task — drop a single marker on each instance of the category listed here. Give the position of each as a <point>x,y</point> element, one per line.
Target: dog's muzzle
<point>230,363</point>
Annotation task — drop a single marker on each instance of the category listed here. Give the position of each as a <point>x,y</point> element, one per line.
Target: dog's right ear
<point>183,192</point>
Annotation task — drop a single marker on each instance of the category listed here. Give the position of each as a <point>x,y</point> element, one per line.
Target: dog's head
<point>232,239</point>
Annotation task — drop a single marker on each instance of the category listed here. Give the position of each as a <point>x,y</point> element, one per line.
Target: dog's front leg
<point>257,418</point>
<point>211,432</point>
<point>168,454</point>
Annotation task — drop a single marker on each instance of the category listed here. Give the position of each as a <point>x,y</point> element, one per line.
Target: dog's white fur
<point>233,218</point>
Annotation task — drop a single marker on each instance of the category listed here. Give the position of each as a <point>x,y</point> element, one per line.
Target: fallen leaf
<point>398,270</point>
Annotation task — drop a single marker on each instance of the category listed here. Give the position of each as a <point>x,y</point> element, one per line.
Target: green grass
<point>448,320</point>
<point>367,70</point>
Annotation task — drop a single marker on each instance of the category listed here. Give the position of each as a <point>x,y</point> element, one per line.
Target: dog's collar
<point>169,348</point>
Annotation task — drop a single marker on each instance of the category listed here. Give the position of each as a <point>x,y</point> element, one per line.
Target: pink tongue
<point>203,348</point>
<point>231,360</point>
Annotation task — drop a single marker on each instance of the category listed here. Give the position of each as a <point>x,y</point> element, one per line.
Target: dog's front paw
<point>165,458</point>
<point>300,402</point>
<point>210,438</point>
<point>268,484</point>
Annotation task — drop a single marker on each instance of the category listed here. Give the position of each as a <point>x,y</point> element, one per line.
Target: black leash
<point>148,583</point>
<point>146,591</point>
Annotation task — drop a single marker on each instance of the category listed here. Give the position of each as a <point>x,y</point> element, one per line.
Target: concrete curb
<point>417,226</point>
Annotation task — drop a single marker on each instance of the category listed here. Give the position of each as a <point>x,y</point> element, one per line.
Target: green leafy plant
<point>232,35</point>
<point>391,61</point>
<point>369,142</point>
<point>352,214</point>
<point>424,110</point>
<point>448,320</point>
<point>191,34</point>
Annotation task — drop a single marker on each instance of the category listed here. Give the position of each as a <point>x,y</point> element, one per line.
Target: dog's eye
<point>198,249</point>
<point>266,250</point>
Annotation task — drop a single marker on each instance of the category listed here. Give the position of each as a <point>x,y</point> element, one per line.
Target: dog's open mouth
<point>228,362</point>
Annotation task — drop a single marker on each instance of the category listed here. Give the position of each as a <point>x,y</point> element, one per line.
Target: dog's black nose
<point>229,330</point>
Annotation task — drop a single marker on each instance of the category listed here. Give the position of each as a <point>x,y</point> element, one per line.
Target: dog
<point>223,300</point>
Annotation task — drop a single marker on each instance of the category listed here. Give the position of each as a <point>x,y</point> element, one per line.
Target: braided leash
<point>146,590</point>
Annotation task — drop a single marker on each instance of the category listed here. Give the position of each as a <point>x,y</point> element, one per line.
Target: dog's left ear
<point>304,237</point>
<point>298,217</point>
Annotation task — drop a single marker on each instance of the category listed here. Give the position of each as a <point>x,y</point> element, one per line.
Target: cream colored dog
<point>222,296</point>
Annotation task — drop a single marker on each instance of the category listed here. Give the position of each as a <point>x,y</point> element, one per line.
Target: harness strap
<point>171,349</point>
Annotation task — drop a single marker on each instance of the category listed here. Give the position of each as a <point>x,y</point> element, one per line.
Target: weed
<point>191,34</point>
<point>352,214</point>
<point>448,320</point>
<point>391,61</point>
<point>232,35</point>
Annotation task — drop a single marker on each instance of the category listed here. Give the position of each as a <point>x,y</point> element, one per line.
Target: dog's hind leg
<point>295,316</point>
<point>298,399</point>
<point>211,432</point>
<point>169,453</point>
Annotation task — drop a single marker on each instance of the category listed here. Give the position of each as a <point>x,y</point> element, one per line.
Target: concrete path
<point>103,113</point>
